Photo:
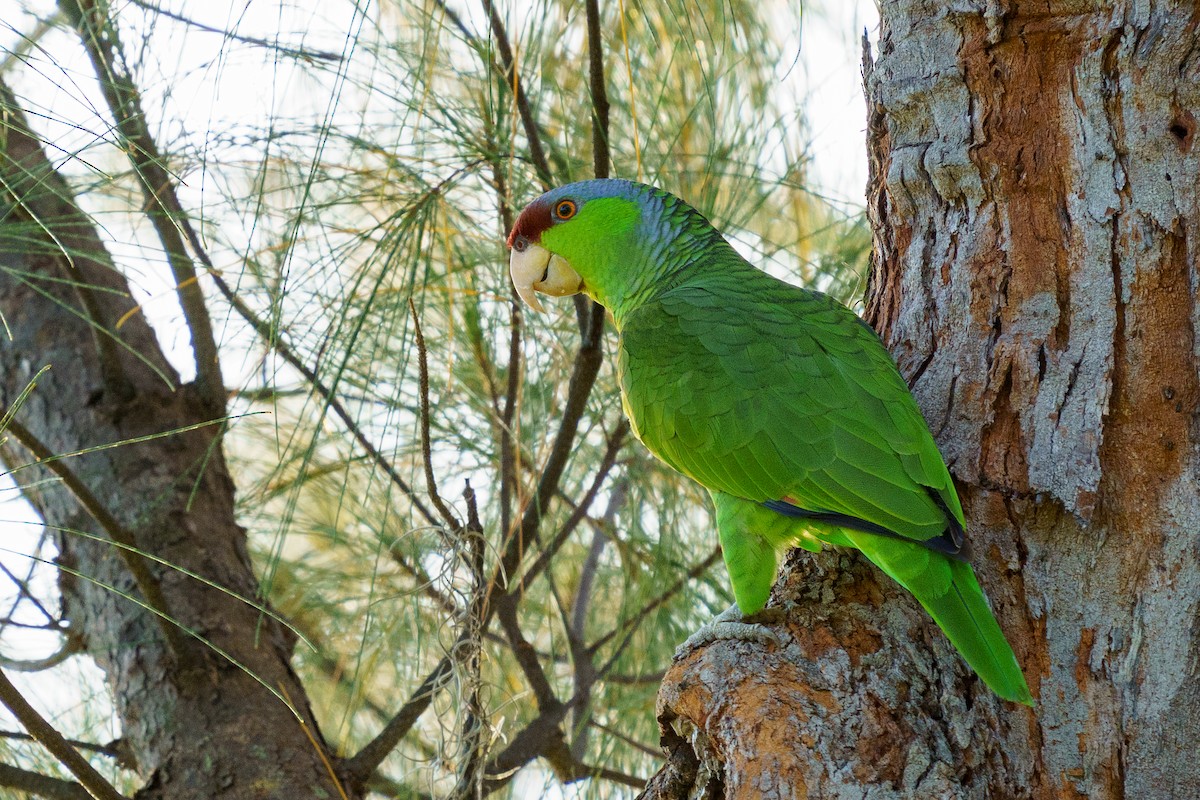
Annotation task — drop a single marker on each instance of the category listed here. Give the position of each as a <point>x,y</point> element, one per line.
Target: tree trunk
<point>1034,199</point>
<point>206,716</point>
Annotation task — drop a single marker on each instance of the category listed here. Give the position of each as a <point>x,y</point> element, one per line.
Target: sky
<point>831,54</point>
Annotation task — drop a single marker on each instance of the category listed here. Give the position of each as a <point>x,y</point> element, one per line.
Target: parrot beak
<point>535,269</point>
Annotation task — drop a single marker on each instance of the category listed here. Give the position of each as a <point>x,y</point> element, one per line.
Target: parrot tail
<point>963,614</point>
<point>949,591</point>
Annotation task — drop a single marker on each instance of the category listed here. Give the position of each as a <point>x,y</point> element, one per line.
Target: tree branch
<point>508,447</point>
<point>53,741</point>
<point>542,738</point>
<point>23,590</point>
<point>103,749</point>
<point>615,442</point>
<point>70,646</point>
<point>600,157</point>
<point>473,741</point>
<point>627,627</point>
<point>527,658</point>
<point>100,40</point>
<point>629,740</point>
<point>69,240</point>
<point>360,767</point>
<point>583,376</point>
<point>39,785</point>
<point>581,657</point>
<point>427,456</point>
<point>677,778</point>
<point>275,47</point>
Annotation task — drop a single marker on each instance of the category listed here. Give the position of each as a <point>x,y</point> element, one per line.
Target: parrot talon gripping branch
<point>777,399</point>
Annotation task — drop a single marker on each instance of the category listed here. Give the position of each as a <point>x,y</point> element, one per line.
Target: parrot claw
<point>731,624</point>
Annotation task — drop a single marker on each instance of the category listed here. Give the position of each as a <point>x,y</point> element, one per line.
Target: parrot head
<point>602,237</point>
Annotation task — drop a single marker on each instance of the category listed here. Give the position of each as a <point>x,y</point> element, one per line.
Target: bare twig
<point>53,741</point>
<point>583,377</point>
<point>635,679</point>
<point>294,52</point>
<point>629,740</point>
<point>600,157</point>
<point>360,767</point>
<point>509,447</point>
<point>55,626</point>
<point>591,321</point>
<point>103,46</point>
<point>615,442</point>
<point>509,455</point>
<point>587,573</point>
<point>23,586</point>
<point>70,646</point>
<point>581,657</point>
<point>427,456</point>
<point>630,625</point>
<point>102,749</point>
<point>473,741</point>
<point>36,784</point>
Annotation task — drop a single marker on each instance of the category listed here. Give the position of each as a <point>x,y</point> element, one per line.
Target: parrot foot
<point>731,624</point>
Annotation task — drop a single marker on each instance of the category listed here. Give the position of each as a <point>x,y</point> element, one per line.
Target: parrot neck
<point>664,254</point>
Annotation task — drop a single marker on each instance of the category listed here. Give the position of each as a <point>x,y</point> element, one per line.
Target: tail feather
<point>964,615</point>
<point>949,591</point>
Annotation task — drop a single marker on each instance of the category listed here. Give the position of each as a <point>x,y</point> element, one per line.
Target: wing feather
<point>790,397</point>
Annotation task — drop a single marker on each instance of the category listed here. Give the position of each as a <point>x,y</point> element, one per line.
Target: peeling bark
<point>1034,200</point>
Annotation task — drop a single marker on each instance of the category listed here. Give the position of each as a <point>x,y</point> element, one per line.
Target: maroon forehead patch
<point>533,220</point>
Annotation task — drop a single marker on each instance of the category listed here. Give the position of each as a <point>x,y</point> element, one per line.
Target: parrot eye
<point>565,209</point>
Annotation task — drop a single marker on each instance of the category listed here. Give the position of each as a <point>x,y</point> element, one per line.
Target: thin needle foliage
<point>486,573</point>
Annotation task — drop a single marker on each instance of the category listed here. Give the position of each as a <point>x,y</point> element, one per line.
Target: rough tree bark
<point>1034,199</point>
<point>199,720</point>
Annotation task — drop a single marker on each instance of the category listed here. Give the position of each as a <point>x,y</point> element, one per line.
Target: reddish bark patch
<point>1155,390</point>
<point>1025,155</point>
<point>752,715</point>
<point>818,641</point>
<point>1083,654</point>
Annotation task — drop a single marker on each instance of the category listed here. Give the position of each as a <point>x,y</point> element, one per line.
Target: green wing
<point>793,398</point>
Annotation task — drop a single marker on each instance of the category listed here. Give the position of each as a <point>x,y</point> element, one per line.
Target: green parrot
<point>779,400</point>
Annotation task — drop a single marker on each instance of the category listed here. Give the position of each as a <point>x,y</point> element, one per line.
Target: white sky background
<point>831,55</point>
<point>827,73</point>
